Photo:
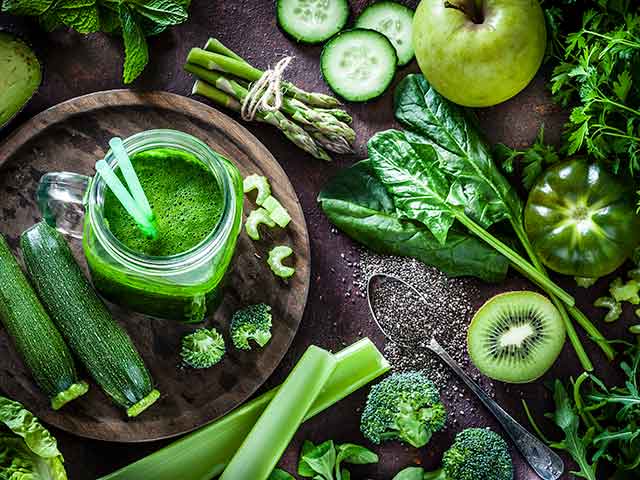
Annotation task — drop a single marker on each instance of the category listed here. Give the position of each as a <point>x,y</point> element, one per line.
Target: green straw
<point>127,201</point>
<point>130,176</point>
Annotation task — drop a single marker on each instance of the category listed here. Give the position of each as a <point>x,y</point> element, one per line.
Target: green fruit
<point>581,220</point>
<point>515,337</point>
<point>479,53</point>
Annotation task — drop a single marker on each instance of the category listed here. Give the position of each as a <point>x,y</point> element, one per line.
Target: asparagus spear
<point>291,130</point>
<point>311,98</point>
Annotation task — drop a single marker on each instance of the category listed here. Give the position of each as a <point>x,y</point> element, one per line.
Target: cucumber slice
<point>359,64</point>
<point>312,21</point>
<point>395,22</point>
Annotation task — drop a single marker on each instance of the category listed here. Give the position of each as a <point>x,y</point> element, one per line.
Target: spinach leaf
<point>279,474</point>
<point>354,455</point>
<point>476,183</point>
<point>410,473</point>
<point>320,460</point>
<point>416,183</point>
<point>136,50</point>
<point>357,203</point>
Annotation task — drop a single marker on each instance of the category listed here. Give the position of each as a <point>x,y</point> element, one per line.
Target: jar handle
<point>61,198</point>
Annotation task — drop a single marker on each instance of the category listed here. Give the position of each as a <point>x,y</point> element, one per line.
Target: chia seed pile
<point>443,311</point>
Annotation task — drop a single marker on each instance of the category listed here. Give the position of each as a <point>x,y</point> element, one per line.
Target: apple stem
<point>471,9</point>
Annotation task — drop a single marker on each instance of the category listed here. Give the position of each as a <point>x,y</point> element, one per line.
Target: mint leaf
<point>81,15</point>
<point>26,7</point>
<point>162,12</point>
<point>136,50</point>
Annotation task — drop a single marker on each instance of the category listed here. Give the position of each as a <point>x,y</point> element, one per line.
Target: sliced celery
<point>277,212</point>
<point>255,219</point>
<point>269,438</point>
<point>203,454</point>
<point>260,183</point>
<point>276,256</point>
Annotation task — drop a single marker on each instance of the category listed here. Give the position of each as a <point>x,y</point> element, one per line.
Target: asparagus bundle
<point>312,121</point>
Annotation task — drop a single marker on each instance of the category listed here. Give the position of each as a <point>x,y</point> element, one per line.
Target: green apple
<point>478,53</point>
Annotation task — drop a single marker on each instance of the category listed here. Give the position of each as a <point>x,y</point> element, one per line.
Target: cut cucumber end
<point>359,64</point>
<point>312,22</point>
<point>137,408</point>
<point>74,391</point>
<point>394,21</point>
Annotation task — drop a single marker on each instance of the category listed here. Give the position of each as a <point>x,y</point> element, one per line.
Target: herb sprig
<point>134,20</point>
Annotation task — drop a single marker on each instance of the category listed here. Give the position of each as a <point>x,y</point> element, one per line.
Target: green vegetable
<point>203,454</point>
<point>357,203</point>
<point>534,160</point>
<point>279,474</point>
<point>405,407</point>
<point>28,324</point>
<point>276,256</point>
<point>277,212</point>
<point>255,219</point>
<point>21,76</point>
<point>584,282</point>
<point>625,292</point>
<point>477,453</point>
<point>324,461</point>
<point>259,183</point>
<point>597,75</point>
<point>270,436</point>
<point>614,307</point>
<point>134,20</point>
<point>27,450</point>
<point>202,348</point>
<point>251,323</point>
<point>101,344</point>
<point>581,220</point>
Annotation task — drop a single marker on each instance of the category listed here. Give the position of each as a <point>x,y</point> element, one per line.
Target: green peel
<point>137,408</point>
<point>74,391</point>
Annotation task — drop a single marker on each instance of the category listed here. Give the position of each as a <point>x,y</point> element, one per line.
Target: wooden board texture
<point>71,137</point>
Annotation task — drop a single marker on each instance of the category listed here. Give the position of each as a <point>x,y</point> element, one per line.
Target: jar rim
<point>215,240</point>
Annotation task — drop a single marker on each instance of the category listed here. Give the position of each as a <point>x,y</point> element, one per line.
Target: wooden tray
<point>72,136</point>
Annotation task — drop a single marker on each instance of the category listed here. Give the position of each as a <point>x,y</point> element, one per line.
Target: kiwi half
<point>515,337</point>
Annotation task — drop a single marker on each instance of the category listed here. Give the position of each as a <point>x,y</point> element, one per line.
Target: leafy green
<point>534,160</point>
<point>410,473</point>
<point>279,474</point>
<point>133,19</point>
<point>27,450</point>
<point>324,461</point>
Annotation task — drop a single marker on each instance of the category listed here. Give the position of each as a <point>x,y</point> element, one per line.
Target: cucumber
<point>101,344</point>
<point>312,21</point>
<point>34,334</point>
<point>359,64</point>
<point>395,22</point>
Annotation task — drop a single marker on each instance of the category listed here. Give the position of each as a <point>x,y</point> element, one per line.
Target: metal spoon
<point>546,463</point>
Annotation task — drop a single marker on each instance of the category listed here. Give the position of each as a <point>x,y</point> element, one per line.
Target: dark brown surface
<point>71,137</point>
<point>76,65</point>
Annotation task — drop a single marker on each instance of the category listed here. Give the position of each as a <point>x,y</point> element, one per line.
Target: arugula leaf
<point>476,183</point>
<point>357,203</point>
<point>574,444</point>
<point>135,45</point>
<point>417,185</point>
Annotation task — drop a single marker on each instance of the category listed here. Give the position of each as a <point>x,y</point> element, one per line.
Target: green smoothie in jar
<point>196,198</point>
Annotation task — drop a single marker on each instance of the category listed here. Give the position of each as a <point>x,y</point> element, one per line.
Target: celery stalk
<point>270,436</point>
<point>203,454</point>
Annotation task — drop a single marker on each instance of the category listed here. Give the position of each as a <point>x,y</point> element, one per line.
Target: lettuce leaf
<point>27,450</point>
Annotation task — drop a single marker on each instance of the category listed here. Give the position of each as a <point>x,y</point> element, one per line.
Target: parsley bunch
<point>134,20</point>
<point>599,75</point>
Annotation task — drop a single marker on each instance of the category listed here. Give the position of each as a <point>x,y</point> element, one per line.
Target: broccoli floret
<point>476,454</point>
<point>251,323</point>
<point>202,348</point>
<point>405,407</point>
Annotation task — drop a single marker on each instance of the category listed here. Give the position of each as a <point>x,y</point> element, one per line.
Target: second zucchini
<point>95,337</point>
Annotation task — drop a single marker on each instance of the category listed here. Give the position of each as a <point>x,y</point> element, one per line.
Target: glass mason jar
<point>182,287</point>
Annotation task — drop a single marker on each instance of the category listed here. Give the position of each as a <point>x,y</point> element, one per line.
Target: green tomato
<point>581,219</point>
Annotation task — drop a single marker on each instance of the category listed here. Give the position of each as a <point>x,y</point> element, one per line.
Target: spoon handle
<point>546,463</point>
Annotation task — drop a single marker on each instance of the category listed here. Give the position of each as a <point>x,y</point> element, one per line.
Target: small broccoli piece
<point>615,308</point>
<point>625,292</point>
<point>251,323</point>
<point>476,454</point>
<point>405,407</point>
<point>202,348</point>
<point>276,256</point>
<point>260,183</point>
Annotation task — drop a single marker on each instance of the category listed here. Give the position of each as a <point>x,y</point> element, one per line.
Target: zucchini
<point>101,344</point>
<point>34,334</point>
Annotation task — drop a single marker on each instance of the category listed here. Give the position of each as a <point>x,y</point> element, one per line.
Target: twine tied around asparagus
<point>265,95</point>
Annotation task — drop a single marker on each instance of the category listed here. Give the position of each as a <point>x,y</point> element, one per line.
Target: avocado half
<point>21,75</point>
